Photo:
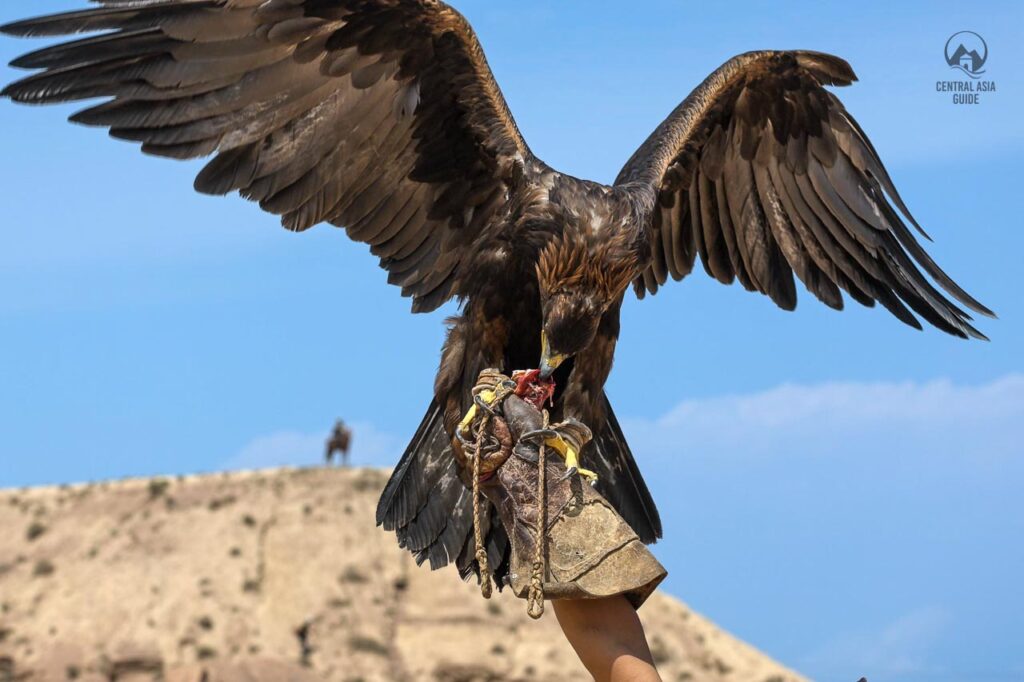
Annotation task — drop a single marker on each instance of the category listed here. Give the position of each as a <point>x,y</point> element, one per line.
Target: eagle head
<point>579,280</point>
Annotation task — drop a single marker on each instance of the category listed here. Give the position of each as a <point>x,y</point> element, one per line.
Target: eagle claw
<point>585,473</point>
<point>572,463</point>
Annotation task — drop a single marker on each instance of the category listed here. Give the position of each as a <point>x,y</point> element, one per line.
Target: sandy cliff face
<point>276,576</point>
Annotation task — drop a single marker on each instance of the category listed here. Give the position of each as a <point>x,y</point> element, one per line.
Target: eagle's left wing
<point>380,116</point>
<point>762,173</point>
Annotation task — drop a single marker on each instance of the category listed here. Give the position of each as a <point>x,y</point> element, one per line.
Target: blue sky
<point>840,490</point>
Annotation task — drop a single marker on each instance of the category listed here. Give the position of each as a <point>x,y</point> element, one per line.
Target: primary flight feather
<point>382,117</point>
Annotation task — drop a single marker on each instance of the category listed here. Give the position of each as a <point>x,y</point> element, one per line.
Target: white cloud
<point>771,423</point>
<point>284,448</point>
<point>902,647</point>
<point>887,492</point>
<point>370,447</point>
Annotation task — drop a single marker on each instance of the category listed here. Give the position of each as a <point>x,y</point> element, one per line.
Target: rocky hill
<point>276,576</point>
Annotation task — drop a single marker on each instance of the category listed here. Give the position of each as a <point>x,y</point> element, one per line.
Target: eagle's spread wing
<point>380,116</point>
<point>761,172</point>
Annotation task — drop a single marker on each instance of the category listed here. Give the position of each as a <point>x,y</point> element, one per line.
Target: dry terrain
<point>276,576</point>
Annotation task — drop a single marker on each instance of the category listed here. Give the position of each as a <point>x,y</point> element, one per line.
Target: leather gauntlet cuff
<point>589,551</point>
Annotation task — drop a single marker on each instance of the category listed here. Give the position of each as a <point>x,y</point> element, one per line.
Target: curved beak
<point>549,361</point>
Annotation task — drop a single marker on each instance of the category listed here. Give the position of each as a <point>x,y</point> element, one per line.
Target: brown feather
<point>784,179</point>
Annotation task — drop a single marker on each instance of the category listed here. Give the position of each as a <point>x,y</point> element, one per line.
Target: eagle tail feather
<point>619,477</point>
<point>429,508</point>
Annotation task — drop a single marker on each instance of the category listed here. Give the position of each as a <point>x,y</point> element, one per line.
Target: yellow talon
<point>467,422</point>
<point>572,458</point>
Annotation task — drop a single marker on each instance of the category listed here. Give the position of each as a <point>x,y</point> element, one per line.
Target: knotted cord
<point>497,384</point>
<point>535,598</point>
<point>481,551</point>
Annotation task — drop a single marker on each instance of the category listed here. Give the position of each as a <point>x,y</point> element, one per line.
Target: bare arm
<point>609,639</point>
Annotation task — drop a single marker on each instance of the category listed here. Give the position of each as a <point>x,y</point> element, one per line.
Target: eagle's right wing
<point>381,116</point>
<point>762,173</point>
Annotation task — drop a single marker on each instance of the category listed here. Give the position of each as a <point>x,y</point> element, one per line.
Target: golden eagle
<point>382,117</point>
